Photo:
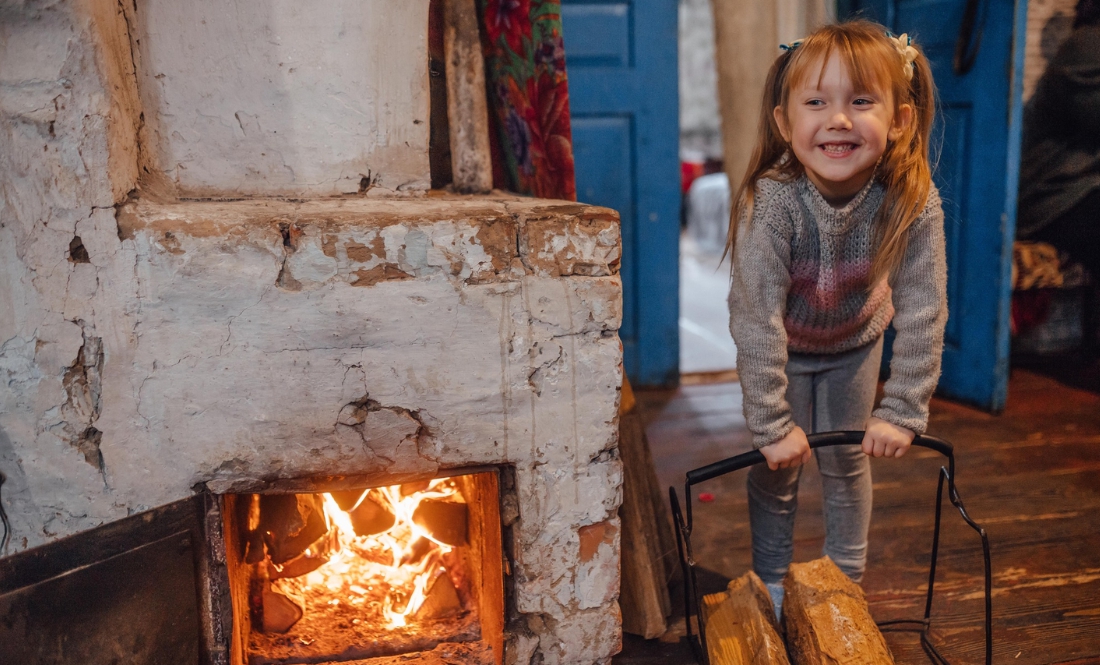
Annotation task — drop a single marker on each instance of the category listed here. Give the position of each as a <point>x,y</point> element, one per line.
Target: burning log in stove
<point>279,613</point>
<point>383,558</point>
<point>347,575</point>
<point>444,521</point>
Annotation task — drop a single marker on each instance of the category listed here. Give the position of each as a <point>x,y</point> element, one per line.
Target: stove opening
<point>351,574</point>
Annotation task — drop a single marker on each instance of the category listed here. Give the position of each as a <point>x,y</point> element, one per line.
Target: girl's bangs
<point>866,59</point>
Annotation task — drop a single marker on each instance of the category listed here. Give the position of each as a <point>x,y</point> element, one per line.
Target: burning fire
<point>388,573</point>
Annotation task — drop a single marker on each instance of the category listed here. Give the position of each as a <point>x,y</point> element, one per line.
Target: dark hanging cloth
<point>528,97</point>
<point>1061,152</point>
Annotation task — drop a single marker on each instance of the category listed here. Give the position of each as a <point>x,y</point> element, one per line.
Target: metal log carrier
<point>693,599</point>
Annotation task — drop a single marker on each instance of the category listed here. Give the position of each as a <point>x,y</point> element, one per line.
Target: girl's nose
<point>840,121</point>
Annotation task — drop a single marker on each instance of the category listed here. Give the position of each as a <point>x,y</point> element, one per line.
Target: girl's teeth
<point>837,149</point>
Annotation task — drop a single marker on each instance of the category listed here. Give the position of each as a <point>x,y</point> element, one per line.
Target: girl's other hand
<point>884,439</point>
<point>789,452</point>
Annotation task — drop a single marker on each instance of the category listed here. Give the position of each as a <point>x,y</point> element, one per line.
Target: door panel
<point>599,34</point>
<point>125,592</point>
<point>978,130</point>
<point>603,149</point>
<point>952,185</point>
<point>623,96</point>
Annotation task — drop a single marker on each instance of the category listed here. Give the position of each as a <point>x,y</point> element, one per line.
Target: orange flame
<point>365,568</point>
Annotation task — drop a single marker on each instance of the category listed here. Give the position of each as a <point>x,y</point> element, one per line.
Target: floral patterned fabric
<point>528,97</point>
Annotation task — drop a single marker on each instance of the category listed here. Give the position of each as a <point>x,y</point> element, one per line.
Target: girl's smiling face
<point>839,133</point>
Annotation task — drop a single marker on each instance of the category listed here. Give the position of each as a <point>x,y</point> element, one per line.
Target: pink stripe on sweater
<point>826,286</point>
<point>803,335</point>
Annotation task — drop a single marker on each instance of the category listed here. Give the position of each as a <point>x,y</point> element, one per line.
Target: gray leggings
<point>826,393</point>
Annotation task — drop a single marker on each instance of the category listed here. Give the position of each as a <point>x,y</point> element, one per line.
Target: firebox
<point>364,572</point>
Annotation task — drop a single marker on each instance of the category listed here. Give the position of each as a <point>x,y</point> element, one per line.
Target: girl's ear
<point>781,122</point>
<point>902,118</point>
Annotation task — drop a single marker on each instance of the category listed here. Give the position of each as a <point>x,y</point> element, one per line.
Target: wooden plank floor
<point>1030,476</point>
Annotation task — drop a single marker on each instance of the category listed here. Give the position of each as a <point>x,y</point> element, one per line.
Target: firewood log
<point>441,601</point>
<point>467,105</point>
<point>444,521</point>
<point>290,523</point>
<point>740,625</point>
<point>827,618</point>
<point>644,598</point>
<point>347,499</point>
<point>414,487</point>
<point>371,517</point>
<point>280,613</point>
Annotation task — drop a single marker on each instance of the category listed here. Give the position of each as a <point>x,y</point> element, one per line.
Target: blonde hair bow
<point>905,49</point>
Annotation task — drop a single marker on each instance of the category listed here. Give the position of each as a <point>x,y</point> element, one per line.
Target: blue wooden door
<point>979,126</point>
<point>621,57</point>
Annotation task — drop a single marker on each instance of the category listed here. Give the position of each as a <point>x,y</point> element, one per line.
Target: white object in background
<point>708,212</point>
<point>705,342</point>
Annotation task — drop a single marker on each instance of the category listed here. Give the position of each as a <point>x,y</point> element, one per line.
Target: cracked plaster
<point>177,345</point>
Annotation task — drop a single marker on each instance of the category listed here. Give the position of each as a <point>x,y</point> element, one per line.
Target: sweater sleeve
<point>757,301</point>
<point>920,303</point>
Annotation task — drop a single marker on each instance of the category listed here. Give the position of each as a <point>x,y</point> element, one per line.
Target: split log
<point>444,521</point>
<point>441,601</point>
<point>347,499</point>
<point>827,618</point>
<point>290,523</point>
<point>371,517</point>
<point>414,487</point>
<point>315,556</point>
<point>644,598</point>
<point>247,511</point>
<point>280,613</point>
<point>740,625</point>
<point>467,105</point>
<point>419,549</point>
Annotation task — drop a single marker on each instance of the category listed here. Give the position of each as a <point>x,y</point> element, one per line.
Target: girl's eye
<point>863,101</point>
<point>815,102</point>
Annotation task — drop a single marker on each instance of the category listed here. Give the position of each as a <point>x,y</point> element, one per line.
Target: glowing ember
<point>387,574</point>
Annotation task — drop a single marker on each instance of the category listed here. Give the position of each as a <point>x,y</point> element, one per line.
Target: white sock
<point>775,590</point>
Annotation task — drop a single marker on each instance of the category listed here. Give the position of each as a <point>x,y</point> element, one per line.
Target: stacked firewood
<point>826,621</point>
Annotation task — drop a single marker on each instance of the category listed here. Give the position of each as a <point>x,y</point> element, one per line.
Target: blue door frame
<point>621,57</point>
<point>979,125</point>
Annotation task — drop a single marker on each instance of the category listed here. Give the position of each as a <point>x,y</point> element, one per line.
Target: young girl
<point>837,231</point>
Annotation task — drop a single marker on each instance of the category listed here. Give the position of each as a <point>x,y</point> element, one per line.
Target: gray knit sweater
<point>800,285</point>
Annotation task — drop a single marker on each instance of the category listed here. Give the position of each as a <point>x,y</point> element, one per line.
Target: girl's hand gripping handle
<point>885,439</point>
<point>789,452</point>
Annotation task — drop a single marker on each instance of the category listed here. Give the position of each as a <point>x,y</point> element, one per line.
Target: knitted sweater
<point>800,285</point>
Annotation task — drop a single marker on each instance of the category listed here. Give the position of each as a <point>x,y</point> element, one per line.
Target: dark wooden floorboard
<point>1030,477</point>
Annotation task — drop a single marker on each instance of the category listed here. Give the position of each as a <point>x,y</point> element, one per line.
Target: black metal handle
<point>822,440</point>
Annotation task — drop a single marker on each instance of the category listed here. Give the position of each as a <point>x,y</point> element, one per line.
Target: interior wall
<point>68,155</point>
<point>700,119</point>
<point>260,97</point>
<point>747,38</point>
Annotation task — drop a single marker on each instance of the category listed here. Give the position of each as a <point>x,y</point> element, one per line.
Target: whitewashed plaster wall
<point>68,155</point>
<point>150,348</point>
<point>280,97</point>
